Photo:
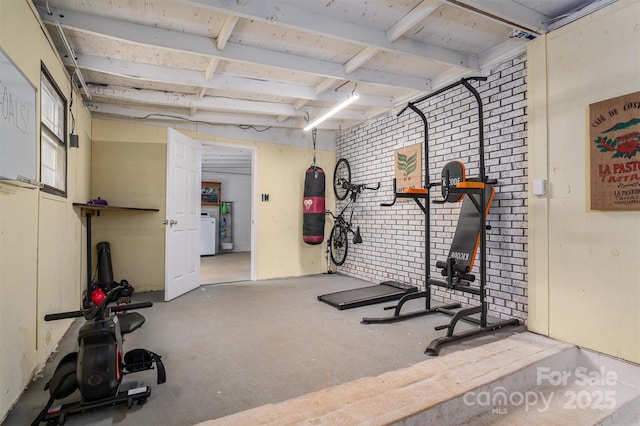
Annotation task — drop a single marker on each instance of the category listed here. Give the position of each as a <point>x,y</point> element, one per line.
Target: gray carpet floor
<point>231,347</point>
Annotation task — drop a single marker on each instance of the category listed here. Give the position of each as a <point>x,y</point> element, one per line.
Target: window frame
<point>46,132</point>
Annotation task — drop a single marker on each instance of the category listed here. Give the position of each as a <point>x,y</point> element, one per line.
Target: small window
<point>53,140</point>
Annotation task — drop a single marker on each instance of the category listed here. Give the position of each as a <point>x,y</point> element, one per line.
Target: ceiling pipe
<point>72,55</point>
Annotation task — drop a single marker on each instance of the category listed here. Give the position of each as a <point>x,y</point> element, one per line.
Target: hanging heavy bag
<point>313,206</point>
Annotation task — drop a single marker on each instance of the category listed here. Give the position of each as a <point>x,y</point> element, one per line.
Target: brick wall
<point>393,247</point>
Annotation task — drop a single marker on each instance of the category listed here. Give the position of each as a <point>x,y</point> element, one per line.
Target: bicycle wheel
<point>341,175</point>
<point>338,244</point>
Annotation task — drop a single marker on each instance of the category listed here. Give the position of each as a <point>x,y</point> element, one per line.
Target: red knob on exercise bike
<point>98,296</point>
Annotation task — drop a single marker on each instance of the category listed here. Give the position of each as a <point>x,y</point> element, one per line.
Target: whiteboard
<point>18,139</point>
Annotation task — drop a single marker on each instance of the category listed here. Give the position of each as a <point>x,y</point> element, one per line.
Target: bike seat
<point>130,321</point>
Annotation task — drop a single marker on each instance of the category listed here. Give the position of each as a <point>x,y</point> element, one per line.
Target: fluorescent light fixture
<point>342,105</point>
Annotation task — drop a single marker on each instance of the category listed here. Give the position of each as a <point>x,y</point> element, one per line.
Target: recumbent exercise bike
<point>98,367</point>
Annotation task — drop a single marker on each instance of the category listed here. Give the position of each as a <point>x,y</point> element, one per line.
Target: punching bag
<point>313,206</point>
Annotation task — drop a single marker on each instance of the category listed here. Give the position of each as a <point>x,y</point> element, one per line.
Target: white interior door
<point>182,236</point>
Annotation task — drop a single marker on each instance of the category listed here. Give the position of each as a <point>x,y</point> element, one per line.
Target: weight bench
<point>470,234</point>
<point>467,238</point>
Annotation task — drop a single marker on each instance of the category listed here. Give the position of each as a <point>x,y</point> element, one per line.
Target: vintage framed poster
<point>408,168</point>
<point>211,193</point>
<point>614,145</point>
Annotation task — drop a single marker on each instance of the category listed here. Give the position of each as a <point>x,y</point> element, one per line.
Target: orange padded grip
<point>470,185</point>
<point>416,191</point>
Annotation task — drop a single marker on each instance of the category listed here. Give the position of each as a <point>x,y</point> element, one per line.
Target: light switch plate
<point>539,187</point>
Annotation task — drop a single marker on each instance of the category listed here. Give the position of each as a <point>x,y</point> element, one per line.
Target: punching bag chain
<point>313,133</point>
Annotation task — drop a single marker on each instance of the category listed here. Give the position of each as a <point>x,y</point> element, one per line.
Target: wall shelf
<point>88,210</point>
<point>96,209</point>
<point>211,193</point>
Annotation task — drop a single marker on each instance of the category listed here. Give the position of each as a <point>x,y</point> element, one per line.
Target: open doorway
<point>227,233</point>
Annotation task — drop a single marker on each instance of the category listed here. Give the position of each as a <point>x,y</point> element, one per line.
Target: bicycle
<point>342,186</point>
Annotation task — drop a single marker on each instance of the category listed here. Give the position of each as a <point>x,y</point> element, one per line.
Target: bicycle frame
<point>340,219</point>
<point>338,245</point>
<point>353,191</point>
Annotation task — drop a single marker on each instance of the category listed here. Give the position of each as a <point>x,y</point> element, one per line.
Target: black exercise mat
<point>383,292</point>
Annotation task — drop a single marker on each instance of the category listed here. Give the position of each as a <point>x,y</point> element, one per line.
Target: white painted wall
<point>584,281</point>
<point>42,262</point>
<point>129,166</point>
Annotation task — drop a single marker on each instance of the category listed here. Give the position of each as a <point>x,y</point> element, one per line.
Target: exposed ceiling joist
<point>287,15</point>
<point>273,64</point>
<point>181,100</point>
<point>411,19</point>
<point>191,43</point>
<point>169,75</point>
<point>357,61</point>
<point>148,112</point>
<point>508,12</point>
<point>211,68</point>
<point>325,85</point>
<point>227,27</point>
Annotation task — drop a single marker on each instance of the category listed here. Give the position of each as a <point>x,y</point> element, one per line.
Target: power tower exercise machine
<point>476,195</point>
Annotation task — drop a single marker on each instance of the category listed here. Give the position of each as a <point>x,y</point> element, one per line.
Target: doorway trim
<point>254,185</point>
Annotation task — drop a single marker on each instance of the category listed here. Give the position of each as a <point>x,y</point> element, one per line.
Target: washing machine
<point>207,235</point>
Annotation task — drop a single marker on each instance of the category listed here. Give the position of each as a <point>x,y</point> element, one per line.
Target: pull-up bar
<point>470,236</point>
<point>464,82</point>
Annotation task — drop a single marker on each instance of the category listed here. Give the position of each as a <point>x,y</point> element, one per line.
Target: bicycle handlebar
<point>63,315</point>
<point>359,187</point>
<point>101,309</point>
<point>76,314</point>
<point>372,188</point>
